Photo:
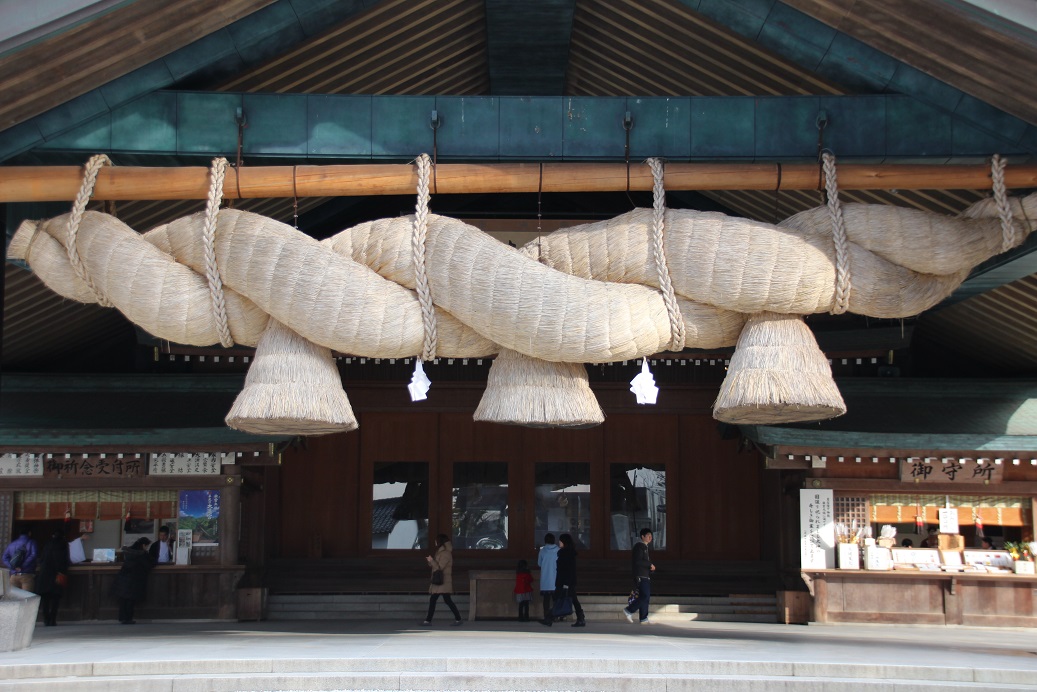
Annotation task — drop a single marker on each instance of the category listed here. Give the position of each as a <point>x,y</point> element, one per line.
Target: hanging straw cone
<point>292,388</point>
<point>538,394</point>
<point>777,375</point>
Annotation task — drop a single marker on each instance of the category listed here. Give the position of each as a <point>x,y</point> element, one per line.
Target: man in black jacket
<point>162,551</point>
<point>643,568</point>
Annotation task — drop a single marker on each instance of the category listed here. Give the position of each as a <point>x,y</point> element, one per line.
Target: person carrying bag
<point>441,562</point>
<point>566,600</point>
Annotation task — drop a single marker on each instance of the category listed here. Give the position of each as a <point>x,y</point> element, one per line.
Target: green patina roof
<point>89,410</point>
<point>921,414</point>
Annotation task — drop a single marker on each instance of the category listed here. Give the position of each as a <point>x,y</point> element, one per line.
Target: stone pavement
<point>359,654</point>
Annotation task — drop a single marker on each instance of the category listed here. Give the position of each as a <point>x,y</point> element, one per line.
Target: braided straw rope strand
<point>1004,208</point>
<point>212,271</point>
<point>93,167</point>
<point>418,235</point>
<point>842,244</point>
<point>673,311</point>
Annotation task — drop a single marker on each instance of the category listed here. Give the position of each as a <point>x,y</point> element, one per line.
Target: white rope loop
<point>92,168</point>
<point>1004,208</point>
<point>212,271</point>
<point>418,235</point>
<point>841,242</point>
<point>678,333</point>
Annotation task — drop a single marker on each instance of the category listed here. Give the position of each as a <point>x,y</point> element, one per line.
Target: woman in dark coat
<point>565,581</point>
<point>54,561</point>
<point>131,583</point>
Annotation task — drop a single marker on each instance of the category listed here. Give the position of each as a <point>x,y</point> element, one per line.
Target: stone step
<point>464,675</point>
<point>736,608</point>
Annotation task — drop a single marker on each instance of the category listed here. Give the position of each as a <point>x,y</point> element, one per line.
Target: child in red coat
<point>523,589</point>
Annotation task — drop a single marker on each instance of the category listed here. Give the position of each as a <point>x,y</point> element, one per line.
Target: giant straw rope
<point>429,285</point>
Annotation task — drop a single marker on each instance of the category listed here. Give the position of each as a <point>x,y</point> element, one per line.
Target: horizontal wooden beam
<point>62,183</point>
<point>342,128</point>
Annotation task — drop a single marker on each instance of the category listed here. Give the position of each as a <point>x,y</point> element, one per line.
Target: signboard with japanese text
<point>21,465</point>
<point>961,471</point>
<point>78,466</point>
<point>186,464</point>
<point>816,529</point>
<point>948,519</point>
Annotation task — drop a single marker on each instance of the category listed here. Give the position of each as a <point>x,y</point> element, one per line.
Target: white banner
<point>816,529</point>
<point>198,464</point>
<point>21,465</point>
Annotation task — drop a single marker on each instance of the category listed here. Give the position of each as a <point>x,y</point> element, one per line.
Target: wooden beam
<point>61,183</point>
<point>88,56</point>
<point>964,46</point>
<point>876,485</point>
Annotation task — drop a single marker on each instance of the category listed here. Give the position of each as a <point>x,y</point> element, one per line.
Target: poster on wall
<point>199,513</point>
<point>816,529</point>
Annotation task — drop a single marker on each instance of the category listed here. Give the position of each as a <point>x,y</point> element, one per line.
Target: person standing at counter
<point>50,583</point>
<point>161,551</point>
<point>20,557</point>
<point>131,583</point>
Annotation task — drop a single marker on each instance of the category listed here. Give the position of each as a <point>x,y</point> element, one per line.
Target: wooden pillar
<point>820,609</point>
<point>6,516</point>
<point>230,516</point>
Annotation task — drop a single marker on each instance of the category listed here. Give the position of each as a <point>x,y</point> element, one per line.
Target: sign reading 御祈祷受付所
<point>959,471</point>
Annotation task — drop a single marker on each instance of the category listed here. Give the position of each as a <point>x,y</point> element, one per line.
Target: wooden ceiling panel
<point>961,45</point>
<point>55,70</point>
<point>660,48</point>
<point>396,47</point>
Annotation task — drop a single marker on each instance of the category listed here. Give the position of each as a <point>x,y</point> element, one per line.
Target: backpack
<point>18,558</point>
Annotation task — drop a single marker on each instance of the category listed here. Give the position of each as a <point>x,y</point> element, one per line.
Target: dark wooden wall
<point>714,498</point>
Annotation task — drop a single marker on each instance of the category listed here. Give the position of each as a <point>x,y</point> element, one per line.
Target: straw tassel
<point>777,375</point>
<point>526,391</point>
<point>292,388</point>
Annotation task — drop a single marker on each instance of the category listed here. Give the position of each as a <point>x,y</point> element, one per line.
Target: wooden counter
<point>922,598</point>
<point>174,592</point>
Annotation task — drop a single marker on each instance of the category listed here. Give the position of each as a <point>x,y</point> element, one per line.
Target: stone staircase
<point>396,606</point>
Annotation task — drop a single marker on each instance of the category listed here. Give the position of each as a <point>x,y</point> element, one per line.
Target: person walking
<point>643,568</point>
<point>20,557</point>
<point>131,583</point>
<point>547,559</point>
<point>52,577</point>
<point>523,589</point>
<point>441,562</point>
<point>565,581</point>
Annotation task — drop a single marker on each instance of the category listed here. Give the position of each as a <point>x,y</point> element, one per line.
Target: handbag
<point>437,577</point>
<point>61,579</point>
<point>634,597</point>
<point>563,606</point>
